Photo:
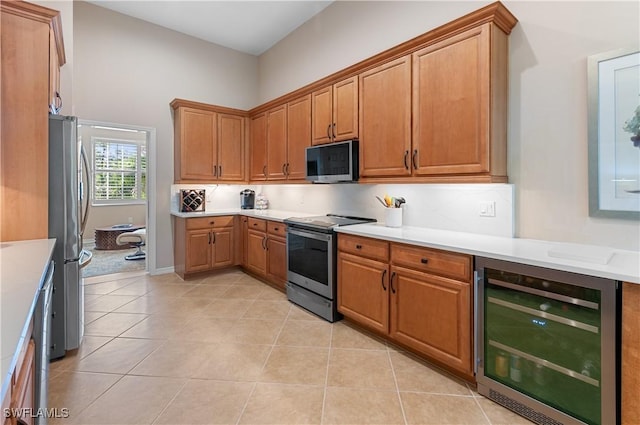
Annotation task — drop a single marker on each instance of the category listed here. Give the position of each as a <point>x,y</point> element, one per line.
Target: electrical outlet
<point>488,209</point>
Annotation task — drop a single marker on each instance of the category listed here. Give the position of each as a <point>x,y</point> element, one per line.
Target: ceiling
<point>248,26</point>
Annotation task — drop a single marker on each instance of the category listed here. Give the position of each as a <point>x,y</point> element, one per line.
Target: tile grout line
<point>482,410</point>
<point>264,364</point>
<point>395,381</point>
<point>326,377</point>
<point>155,420</point>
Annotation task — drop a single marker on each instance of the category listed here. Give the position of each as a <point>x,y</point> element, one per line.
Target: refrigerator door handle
<point>85,214</point>
<point>85,258</point>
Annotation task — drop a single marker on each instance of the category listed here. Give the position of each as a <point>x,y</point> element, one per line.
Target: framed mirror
<point>614,134</point>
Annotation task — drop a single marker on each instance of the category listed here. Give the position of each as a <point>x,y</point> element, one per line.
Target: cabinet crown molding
<point>182,103</point>
<point>41,14</point>
<point>495,13</point>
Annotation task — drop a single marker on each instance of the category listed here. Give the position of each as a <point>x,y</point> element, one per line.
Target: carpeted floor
<point>109,262</point>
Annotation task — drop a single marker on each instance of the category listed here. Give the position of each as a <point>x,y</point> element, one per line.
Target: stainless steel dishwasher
<point>42,339</point>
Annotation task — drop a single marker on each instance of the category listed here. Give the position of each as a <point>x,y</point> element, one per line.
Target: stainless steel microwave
<point>332,163</point>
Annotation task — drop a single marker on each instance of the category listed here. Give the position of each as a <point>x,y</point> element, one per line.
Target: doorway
<point>119,197</point>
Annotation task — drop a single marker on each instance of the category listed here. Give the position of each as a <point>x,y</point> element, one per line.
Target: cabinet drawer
<point>456,266</point>
<point>365,247</point>
<point>257,224</point>
<point>206,222</point>
<point>276,228</point>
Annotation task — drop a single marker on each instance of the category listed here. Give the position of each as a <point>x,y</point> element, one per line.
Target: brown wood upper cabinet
<point>31,53</point>
<point>446,120</point>
<point>278,139</point>
<point>385,119</point>
<point>208,145</point>
<point>335,112</point>
<point>459,105</point>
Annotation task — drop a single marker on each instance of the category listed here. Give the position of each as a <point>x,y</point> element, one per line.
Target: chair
<point>137,238</point>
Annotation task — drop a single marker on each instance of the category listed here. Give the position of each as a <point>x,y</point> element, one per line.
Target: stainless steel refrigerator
<point>68,212</point>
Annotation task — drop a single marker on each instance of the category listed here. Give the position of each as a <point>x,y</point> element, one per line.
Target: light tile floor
<point>228,349</point>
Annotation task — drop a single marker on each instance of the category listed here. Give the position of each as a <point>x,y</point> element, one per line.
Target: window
<point>119,171</point>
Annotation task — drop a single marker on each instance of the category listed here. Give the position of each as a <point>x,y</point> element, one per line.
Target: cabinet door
<point>277,264</point>
<point>451,105</point>
<point>385,119</point>
<point>230,147</point>
<point>321,115</point>
<point>24,161</point>
<point>277,143</point>
<point>345,110</point>
<point>298,136</point>
<point>257,252</point>
<point>197,144</point>
<point>363,286</point>
<point>222,247</point>
<point>198,247</point>
<point>432,315</point>
<point>258,167</point>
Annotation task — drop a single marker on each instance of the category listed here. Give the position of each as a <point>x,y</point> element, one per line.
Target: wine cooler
<point>546,343</point>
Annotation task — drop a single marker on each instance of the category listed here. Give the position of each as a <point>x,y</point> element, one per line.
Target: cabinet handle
<point>393,291</point>
<point>424,260</point>
<point>406,156</point>
<point>220,172</point>
<point>264,243</point>
<point>414,159</point>
<point>284,171</point>
<point>276,228</point>
<point>209,238</point>
<point>215,171</point>
<point>329,132</point>
<point>384,273</point>
<point>214,237</point>
<point>358,246</point>
<point>334,131</point>
<point>264,170</point>
<point>287,169</point>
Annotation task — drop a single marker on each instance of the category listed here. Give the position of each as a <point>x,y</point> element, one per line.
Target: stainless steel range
<point>311,262</point>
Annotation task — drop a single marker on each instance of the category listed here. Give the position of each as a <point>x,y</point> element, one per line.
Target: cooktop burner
<point>327,222</point>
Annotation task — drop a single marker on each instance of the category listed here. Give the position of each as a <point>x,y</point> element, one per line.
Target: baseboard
<point>164,270</point>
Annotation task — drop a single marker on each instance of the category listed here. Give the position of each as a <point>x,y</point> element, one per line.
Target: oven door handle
<point>312,235</point>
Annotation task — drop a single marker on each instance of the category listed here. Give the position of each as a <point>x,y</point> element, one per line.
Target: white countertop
<point>23,266</point>
<point>584,259</point>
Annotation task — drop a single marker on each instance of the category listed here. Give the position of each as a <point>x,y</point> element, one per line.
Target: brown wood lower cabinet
<point>432,314</point>
<point>267,250</point>
<point>204,243</point>
<point>363,286</point>
<point>257,252</point>
<point>630,353</point>
<point>418,304</point>
<point>277,253</point>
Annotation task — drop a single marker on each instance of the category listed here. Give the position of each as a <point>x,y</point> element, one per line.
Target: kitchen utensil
<point>381,201</point>
<point>399,202</point>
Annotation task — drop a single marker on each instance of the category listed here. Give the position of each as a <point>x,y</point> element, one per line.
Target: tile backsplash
<point>441,206</point>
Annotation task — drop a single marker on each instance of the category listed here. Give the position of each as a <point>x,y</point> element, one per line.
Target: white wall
<point>547,150</point>
<point>127,71</point>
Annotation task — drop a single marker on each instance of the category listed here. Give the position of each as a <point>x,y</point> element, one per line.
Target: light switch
<point>488,209</point>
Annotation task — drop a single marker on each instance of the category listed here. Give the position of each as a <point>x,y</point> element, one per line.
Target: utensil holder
<point>393,217</point>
